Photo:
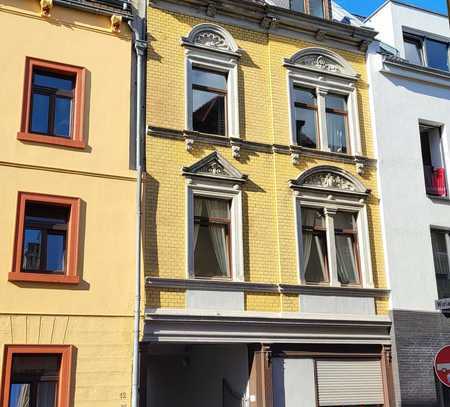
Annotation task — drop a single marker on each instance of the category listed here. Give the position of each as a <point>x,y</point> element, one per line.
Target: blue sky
<point>365,7</point>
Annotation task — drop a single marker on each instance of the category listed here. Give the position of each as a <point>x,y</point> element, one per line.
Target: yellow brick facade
<point>269,232</point>
<point>95,316</point>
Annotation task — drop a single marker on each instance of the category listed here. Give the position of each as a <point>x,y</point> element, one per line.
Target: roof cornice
<point>278,20</point>
<point>102,7</point>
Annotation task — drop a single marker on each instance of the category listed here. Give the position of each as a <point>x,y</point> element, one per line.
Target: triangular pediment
<point>214,166</point>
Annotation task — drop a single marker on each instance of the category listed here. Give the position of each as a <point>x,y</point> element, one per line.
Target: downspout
<point>140,47</point>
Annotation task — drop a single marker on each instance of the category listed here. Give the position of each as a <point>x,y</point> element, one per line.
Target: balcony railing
<point>435,181</point>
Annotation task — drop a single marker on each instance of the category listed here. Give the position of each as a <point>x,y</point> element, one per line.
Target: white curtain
<point>346,263</point>
<point>198,206</point>
<point>336,133</point>
<point>441,261</point>
<point>308,217</point>
<point>219,209</point>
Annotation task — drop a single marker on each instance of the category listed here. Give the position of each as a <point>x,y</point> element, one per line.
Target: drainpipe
<point>138,27</point>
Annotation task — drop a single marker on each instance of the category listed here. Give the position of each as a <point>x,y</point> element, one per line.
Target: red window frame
<point>71,270</point>
<point>77,139</point>
<point>65,372</point>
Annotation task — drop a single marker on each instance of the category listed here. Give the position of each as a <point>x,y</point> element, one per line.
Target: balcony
<point>435,182</point>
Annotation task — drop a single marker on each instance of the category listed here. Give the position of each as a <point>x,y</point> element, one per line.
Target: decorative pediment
<point>214,166</point>
<point>321,60</point>
<point>211,36</point>
<point>331,179</point>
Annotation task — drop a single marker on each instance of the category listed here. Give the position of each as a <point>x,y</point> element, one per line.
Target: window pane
<point>306,96</point>
<point>312,218</point>
<point>63,115</point>
<point>52,80</point>
<point>50,214</point>
<point>298,5</point>
<point>337,132</point>
<point>344,221</point>
<point>32,244</point>
<point>208,112</point>
<point>20,395</point>
<point>346,260</point>
<point>316,8</point>
<point>46,394</point>
<point>413,53</point>
<point>437,54</point>
<point>56,246</point>
<point>441,263</point>
<point>306,127</point>
<point>40,107</point>
<point>210,79</point>
<point>334,101</point>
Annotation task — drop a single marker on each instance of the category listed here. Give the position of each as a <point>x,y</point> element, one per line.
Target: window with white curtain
<point>212,248</point>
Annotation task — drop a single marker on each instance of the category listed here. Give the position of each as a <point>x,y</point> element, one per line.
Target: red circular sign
<point>442,365</point>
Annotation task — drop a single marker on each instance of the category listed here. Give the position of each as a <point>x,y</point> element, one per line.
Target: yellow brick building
<point>67,194</point>
<point>224,124</point>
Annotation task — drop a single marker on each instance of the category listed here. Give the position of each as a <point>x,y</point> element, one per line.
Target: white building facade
<point>410,92</point>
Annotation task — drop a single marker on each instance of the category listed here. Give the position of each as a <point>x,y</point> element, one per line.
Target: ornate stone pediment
<point>320,62</point>
<point>215,166</point>
<point>331,179</point>
<point>211,39</point>
<point>211,36</point>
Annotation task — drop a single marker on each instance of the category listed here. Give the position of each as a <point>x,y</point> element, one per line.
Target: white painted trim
<point>221,190</point>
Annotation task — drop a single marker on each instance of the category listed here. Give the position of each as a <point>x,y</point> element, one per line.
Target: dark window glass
<point>306,117</point>
<point>51,103</point>
<point>413,50</point>
<point>346,247</point>
<point>45,238</point>
<point>336,111</point>
<point>441,262</point>
<point>298,5</point>
<point>316,8</point>
<point>437,54</point>
<point>314,246</point>
<point>34,381</point>
<point>212,250</point>
<point>209,97</point>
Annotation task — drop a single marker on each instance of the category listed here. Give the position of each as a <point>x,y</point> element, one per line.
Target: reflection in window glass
<point>336,112</point>
<point>40,113</point>
<point>316,8</point>
<point>437,54</point>
<point>413,51</point>
<point>298,5</point>
<point>209,101</point>
<point>346,247</point>
<point>306,117</point>
<point>441,262</point>
<point>63,107</point>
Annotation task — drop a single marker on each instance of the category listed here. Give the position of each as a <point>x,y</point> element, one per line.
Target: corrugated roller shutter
<point>349,382</point>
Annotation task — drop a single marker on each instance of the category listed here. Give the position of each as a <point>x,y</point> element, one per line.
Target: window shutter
<point>350,382</point>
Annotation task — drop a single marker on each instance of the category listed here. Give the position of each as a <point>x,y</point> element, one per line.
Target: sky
<point>366,7</point>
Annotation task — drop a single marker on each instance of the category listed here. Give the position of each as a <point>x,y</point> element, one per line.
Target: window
<point>336,111</point>
<point>37,376</point>
<point>46,239</point>
<point>433,160</point>
<point>212,237</point>
<point>421,50</point>
<point>323,102</point>
<point>214,219</point>
<point>332,228</point>
<point>317,8</point>
<point>53,104</point>
<point>209,93</point>
<point>314,246</point>
<point>440,241</point>
<point>212,97</point>
<point>306,117</point>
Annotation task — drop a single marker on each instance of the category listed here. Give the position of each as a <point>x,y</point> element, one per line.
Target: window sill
<point>52,140</point>
<point>438,198</point>
<point>43,278</point>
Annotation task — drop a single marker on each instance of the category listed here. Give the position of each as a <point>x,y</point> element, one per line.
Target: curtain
<point>336,133</point>
<point>441,261</point>
<point>319,247</point>
<point>308,217</point>
<point>46,394</point>
<point>198,206</point>
<point>346,264</point>
<point>219,209</point>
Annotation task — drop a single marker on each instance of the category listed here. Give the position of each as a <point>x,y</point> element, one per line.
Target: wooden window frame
<point>326,8</point>
<point>218,91</point>
<point>321,231</point>
<point>77,139</point>
<point>314,108</point>
<point>70,275</point>
<point>65,373</point>
<point>205,221</point>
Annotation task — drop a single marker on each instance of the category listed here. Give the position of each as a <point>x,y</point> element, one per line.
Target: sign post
<point>442,365</point>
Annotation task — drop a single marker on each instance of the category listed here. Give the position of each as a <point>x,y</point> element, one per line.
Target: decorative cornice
<point>256,146</point>
<point>223,285</point>
<point>104,7</point>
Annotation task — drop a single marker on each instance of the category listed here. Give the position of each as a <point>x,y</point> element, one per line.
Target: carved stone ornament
<point>211,39</point>
<point>236,151</point>
<point>46,7</point>
<point>189,144</point>
<point>319,62</point>
<point>329,180</point>
<point>214,168</point>
<point>116,22</point>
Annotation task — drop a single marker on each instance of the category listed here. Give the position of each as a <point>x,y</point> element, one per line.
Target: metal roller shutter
<point>349,382</point>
